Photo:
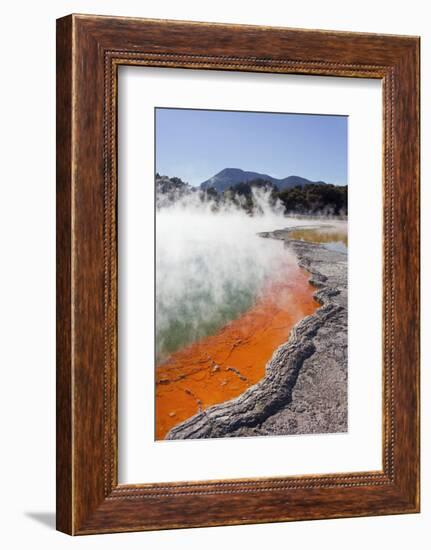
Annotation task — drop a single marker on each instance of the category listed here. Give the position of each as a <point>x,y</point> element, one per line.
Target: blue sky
<point>196,144</point>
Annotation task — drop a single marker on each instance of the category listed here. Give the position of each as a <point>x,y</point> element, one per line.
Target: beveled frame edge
<point>89,499</point>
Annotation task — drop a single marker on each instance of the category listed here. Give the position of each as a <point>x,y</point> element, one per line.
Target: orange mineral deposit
<point>222,366</point>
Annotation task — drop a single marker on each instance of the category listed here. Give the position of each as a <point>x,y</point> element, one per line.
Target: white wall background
<point>27,241</point>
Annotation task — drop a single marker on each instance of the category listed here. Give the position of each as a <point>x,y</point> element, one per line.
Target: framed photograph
<point>237,274</point>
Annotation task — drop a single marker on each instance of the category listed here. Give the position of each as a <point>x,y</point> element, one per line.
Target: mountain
<point>231,176</point>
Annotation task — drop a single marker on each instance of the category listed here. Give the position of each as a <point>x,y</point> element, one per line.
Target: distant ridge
<point>231,176</point>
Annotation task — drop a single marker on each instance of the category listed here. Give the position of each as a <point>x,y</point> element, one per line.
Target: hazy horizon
<point>197,144</point>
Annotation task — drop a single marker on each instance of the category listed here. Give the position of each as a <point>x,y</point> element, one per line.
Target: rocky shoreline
<point>304,389</point>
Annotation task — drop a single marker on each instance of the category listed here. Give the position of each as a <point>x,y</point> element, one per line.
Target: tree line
<point>314,198</point>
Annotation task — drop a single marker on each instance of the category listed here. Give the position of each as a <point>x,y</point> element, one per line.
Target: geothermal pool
<point>226,299</point>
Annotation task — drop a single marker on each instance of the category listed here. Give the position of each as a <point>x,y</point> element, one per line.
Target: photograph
<point>251,265</point>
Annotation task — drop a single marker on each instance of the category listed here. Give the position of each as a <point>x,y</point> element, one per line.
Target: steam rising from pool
<point>211,266</point>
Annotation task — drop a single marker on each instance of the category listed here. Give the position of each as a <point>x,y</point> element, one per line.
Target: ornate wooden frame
<point>89,51</point>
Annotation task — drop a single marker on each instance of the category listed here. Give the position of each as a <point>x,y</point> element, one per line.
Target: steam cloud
<point>212,265</point>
